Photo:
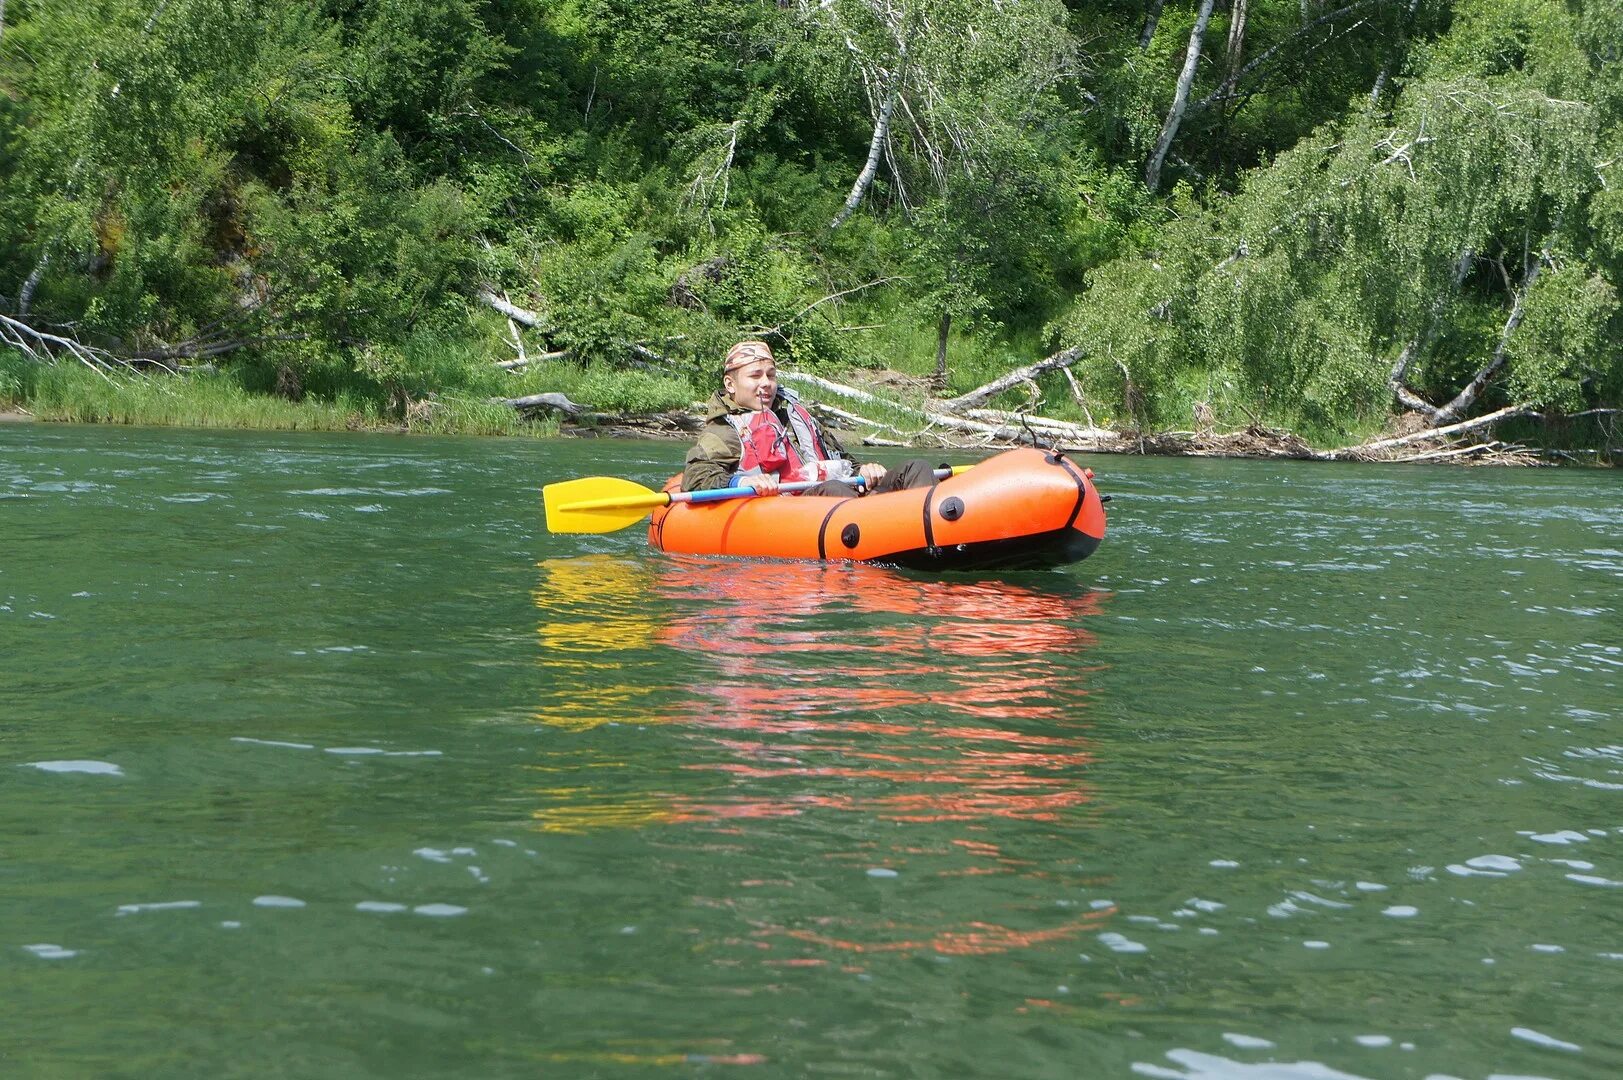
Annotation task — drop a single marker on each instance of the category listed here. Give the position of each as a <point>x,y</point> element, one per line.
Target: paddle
<point>598,504</point>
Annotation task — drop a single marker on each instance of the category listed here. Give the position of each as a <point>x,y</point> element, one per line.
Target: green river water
<point>319,757</point>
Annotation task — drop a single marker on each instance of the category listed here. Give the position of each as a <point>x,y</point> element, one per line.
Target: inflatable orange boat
<point>1022,509</point>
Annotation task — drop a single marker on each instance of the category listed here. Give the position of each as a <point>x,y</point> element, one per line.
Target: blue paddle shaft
<point>718,494</point>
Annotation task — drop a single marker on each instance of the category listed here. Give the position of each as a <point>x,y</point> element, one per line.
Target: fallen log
<point>1042,423</point>
<point>527,360</point>
<point>1002,426</point>
<point>854,419</point>
<point>637,425</point>
<point>581,417</point>
<point>519,315</point>
<point>838,388</point>
<point>981,394</point>
<point>1460,451</point>
<point>1014,433</point>
<point>557,403</point>
<point>1357,452</point>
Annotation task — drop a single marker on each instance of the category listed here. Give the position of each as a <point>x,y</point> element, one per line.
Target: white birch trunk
<point>1467,397</point>
<point>984,393</point>
<point>1152,16</point>
<point>1180,99</point>
<point>1386,68</point>
<point>1396,380</point>
<point>881,135</point>
<point>1236,33</point>
<point>25,296</point>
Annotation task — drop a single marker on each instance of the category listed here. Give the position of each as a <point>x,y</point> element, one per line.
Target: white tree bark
<point>1386,68</point>
<point>1396,380</point>
<point>25,296</point>
<point>1236,33</point>
<point>1289,43</point>
<point>558,403</point>
<point>876,147</point>
<point>512,310</point>
<point>1467,397</point>
<point>1180,99</point>
<point>982,394</point>
<point>1152,16</point>
<point>1432,433</point>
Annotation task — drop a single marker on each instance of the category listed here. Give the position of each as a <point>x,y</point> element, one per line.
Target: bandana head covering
<point>745,353</point>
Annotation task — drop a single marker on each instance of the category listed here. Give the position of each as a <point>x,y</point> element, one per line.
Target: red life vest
<point>770,446</point>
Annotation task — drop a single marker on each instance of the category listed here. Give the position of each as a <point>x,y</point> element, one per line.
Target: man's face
<point>752,386</point>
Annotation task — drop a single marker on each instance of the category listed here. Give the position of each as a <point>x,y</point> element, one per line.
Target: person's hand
<point>763,483</point>
<point>871,473</point>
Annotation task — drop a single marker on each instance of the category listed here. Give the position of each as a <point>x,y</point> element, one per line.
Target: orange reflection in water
<point>974,939</point>
<point>957,706</point>
<point>824,686</point>
<point>959,700</point>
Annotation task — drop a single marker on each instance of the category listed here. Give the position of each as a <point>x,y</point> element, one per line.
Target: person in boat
<point>757,434</point>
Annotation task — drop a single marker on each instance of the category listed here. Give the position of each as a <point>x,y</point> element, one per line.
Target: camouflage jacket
<point>714,458</point>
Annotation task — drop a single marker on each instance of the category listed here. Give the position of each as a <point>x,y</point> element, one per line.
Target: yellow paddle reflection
<point>599,647</point>
<point>596,633</point>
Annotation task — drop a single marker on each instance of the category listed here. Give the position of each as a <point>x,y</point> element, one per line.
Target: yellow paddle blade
<point>597,504</point>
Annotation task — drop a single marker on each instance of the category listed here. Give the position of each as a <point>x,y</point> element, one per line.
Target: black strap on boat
<point>929,529</point>
<point>1081,485</point>
<point>822,530</point>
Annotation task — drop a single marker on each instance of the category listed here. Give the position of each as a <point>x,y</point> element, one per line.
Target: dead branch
<point>558,403</point>
<point>1081,399</point>
<point>703,185</point>
<point>526,361</point>
<point>516,340</point>
<point>1455,452</point>
<point>1044,424</point>
<point>1358,452</point>
<point>43,347</point>
<point>533,320</point>
<point>768,331</point>
<point>981,394</point>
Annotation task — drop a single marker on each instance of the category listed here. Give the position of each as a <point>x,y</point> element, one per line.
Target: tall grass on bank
<point>74,393</point>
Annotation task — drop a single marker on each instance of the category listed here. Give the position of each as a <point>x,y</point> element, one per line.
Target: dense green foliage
<point>1365,204</point>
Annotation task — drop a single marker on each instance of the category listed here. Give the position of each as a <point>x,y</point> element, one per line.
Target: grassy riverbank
<point>1225,425</point>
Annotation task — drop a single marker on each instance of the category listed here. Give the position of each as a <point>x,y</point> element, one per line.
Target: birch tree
<point>1437,258</point>
<point>958,94</point>
<point>1180,97</point>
